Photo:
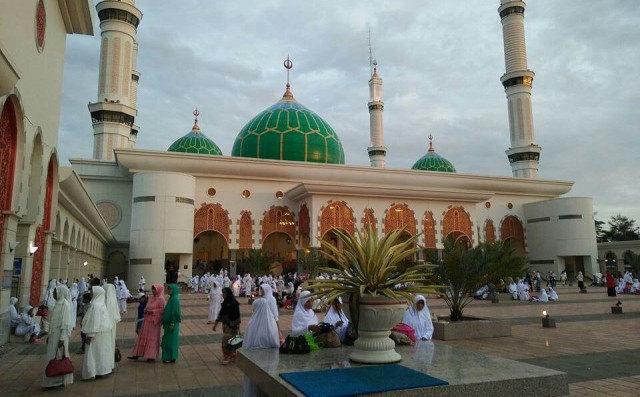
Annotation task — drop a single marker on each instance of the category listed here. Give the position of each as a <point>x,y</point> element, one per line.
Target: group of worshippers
<point>521,291</point>
<point>203,284</point>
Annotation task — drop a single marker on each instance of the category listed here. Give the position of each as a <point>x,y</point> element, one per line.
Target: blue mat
<point>345,382</point>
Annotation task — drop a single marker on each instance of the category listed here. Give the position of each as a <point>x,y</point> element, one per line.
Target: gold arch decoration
<point>336,215</point>
<point>212,217</point>
<point>400,216</point>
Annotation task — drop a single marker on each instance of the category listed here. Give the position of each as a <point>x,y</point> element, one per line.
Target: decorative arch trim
<point>400,216</point>
<point>511,229</point>
<point>336,215</point>
<point>212,217</point>
<point>429,225</point>
<point>245,230</point>
<point>369,219</point>
<point>279,219</point>
<point>489,231</point>
<point>456,219</point>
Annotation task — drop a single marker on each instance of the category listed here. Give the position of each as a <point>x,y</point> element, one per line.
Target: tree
<point>311,261</point>
<point>257,261</point>
<point>600,232</point>
<point>622,228</point>
<point>463,270</point>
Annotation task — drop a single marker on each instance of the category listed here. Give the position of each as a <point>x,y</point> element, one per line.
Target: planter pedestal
<point>377,316</point>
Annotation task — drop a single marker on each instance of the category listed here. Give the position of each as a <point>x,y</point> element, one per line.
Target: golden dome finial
<point>196,113</point>
<point>431,149</point>
<point>288,65</point>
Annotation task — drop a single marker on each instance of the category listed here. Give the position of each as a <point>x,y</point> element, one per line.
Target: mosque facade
<point>283,187</point>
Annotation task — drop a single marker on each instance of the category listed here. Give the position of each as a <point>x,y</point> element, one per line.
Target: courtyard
<point>597,349</point>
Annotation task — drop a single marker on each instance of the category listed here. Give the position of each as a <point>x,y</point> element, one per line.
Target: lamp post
<point>547,322</point>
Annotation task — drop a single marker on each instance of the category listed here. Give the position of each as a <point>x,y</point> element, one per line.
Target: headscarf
<point>97,318</point>
<point>13,310</point>
<point>123,291</point>
<point>13,300</point>
<point>171,312</point>
<point>74,292</point>
<point>112,302</point>
<point>49,300</point>
<point>553,295</point>
<point>216,289</point>
<point>262,330</point>
<point>543,296</point>
<point>333,316</point>
<point>62,316</point>
<point>419,320</point>
<point>267,293</point>
<point>303,318</point>
<point>230,308</point>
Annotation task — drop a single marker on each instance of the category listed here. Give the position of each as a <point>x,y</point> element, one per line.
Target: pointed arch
<point>489,231</point>
<point>212,217</point>
<point>336,215</point>
<point>429,230</point>
<point>369,219</point>
<point>457,220</point>
<point>278,219</point>
<point>245,230</point>
<point>8,154</point>
<point>400,216</point>
<point>512,230</point>
<point>304,226</point>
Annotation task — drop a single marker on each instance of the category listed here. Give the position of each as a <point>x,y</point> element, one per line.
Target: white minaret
<point>377,150</point>
<point>524,154</point>
<point>113,114</point>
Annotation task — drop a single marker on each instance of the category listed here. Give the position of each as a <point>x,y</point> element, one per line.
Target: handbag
<point>328,339</point>
<point>235,342</point>
<point>295,345</point>
<point>351,335</point>
<point>59,367</point>
<point>43,311</point>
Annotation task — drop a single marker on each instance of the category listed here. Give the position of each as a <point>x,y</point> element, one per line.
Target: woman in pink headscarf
<point>148,343</point>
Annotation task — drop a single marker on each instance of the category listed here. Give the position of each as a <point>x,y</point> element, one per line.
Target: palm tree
<point>463,270</point>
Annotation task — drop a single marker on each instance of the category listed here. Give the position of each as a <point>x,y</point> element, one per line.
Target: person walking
<point>215,301</point>
<point>229,316</point>
<point>148,342</point>
<point>171,325</point>
<point>97,325</point>
<point>60,328</point>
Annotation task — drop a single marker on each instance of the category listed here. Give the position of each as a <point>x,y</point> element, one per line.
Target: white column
<point>523,153</point>
<point>377,150</point>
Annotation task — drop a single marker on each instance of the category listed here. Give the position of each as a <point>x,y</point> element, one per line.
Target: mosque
<point>284,185</point>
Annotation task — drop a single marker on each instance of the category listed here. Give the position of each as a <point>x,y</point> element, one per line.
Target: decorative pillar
<point>377,150</point>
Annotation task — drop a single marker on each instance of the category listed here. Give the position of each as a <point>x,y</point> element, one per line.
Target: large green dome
<point>432,161</point>
<point>195,142</point>
<point>289,131</point>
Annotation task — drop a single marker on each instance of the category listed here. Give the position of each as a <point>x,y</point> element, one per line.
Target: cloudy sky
<point>440,60</point>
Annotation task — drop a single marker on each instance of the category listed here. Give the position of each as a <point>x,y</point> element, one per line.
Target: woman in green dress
<point>171,326</point>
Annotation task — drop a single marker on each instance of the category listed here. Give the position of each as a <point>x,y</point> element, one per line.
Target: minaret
<point>113,114</point>
<point>524,154</point>
<point>377,150</point>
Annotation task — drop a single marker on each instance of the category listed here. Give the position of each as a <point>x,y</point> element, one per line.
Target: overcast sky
<point>441,62</point>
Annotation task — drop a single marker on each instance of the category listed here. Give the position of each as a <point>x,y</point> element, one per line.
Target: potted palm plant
<point>368,272</point>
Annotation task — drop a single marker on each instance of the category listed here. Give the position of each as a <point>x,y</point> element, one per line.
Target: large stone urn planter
<point>377,315</point>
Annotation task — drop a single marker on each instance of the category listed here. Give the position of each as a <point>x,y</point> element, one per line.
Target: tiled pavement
<point>600,351</point>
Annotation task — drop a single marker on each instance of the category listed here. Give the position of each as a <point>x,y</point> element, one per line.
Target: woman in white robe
<point>247,285</point>
<point>513,290</point>
<point>267,293</point>
<point>553,295</point>
<point>60,328</point>
<point>97,324</point>
<point>215,302</point>
<point>82,286</point>
<point>418,317</point>
<point>262,330</point>
<point>14,317</point>
<point>114,314</point>
<point>122,293</point>
<point>27,325</point>
<point>544,297</point>
<point>523,293</point>
<point>73,291</point>
<point>336,317</point>
<point>304,318</point>
<point>235,287</point>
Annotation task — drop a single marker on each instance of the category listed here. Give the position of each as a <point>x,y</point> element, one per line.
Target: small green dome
<point>195,142</point>
<point>289,131</point>
<point>432,161</point>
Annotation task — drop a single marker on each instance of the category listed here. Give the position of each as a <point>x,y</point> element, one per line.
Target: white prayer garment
<point>215,301</point>
<point>262,330</point>
<point>419,320</point>
<point>302,317</point>
<point>60,328</point>
<point>97,324</point>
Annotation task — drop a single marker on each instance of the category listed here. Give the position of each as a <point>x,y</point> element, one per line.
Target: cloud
<point>440,61</point>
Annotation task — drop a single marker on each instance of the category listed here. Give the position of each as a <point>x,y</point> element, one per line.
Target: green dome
<point>432,161</point>
<point>289,131</point>
<point>195,142</point>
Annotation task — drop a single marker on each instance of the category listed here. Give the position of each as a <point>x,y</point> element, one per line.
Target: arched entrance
<point>280,247</point>
<point>400,216</point>
<point>512,231</point>
<point>8,150</point>
<point>210,239</point>
<point>456,223</point>
<point>304,227</point>
<point>429,231</point>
